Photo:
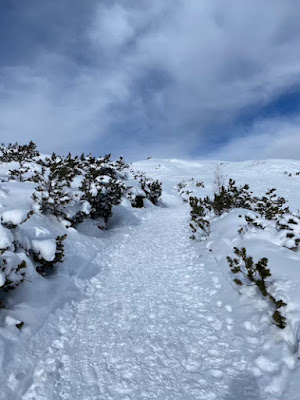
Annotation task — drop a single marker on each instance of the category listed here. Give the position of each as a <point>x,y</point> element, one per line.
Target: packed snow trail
<point>152,325</point>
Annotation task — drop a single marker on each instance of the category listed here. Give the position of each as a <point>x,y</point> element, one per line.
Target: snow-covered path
<point>154,324</point>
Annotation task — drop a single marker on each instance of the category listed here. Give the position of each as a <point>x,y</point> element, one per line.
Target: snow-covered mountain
<point>140,310</point>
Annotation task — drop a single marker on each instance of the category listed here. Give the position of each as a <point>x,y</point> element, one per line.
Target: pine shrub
<point>52,193</point>
<point>99,194</point>
<point>19,153</point>
<point>270,206</point>
<point>19,174</point>
<point>150,189</point>
<point>199,217</point>
<point>45,267</point>
<point>13,270</point>
<point>256,274</point>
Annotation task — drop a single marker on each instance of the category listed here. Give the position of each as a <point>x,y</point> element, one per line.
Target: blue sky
<point>162,78</point>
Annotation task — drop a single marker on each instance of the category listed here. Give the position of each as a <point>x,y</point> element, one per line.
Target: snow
<point>2,278</point>
<point>6,237</point>
<point>45,248</point>
<point>11,321</point>
<point>14,217</point>
<point>140,311</point>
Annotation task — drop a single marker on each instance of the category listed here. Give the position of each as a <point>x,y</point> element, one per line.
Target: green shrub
<point>256,274</point>
<point>19,153</point>
<point>44,267</point>
<point>199,217</point>
<point>99,195</point>
<point>52,193</point>
<point>150,189</point>
<point>270,206</point>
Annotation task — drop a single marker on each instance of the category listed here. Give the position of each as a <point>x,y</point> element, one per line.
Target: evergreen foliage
<point>230,197</point>
<point>102,184</point>
<point>99,194</point>
<point>256,274</point>
<point>14,258</point>
<point>13,269</point>
<point>270,206</point>
<point>289,227</point>
<point>19,174</point>
<point>138,201</point>
<point>184,186</point>
<point>52,192</point>
<point>227,198</point>
<point>22,154</point>
<point>11,225</point>
<point>19,153</point>
<point>253,222</point>
<point>199,217</point>
<point>150,189</point>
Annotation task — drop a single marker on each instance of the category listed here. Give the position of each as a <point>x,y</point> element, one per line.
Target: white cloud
<point>270,138</point>
<point>112,27</point>
<point>172,69</point>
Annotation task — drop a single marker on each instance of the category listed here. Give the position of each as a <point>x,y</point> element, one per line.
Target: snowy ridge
<point>153,314</point>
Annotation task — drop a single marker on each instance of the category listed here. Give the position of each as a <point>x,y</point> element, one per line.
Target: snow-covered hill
<point>141,311</point>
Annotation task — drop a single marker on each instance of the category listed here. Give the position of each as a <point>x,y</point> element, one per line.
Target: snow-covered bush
<point>24,155</point>
<point>285,226</point>
<point>19,174</point>
<point>12,270</point>
<point>19,153</point>
<point>186,188</point>
<point>266,215</point>
<point>256,274</point>
<point>53,193</point>
<point>13,218</point>
<point>99,194</point>
<point>270,206</point>
<point>181,185</point>
<point>290,173</point>
<point>63,168</point>
<point>199,218</point>
<point>101,185</point>
<point>149,189</point>
<point>230,197</point>
<point>289,228</point>
<point>152,189</point>
<point>226,199</point>
<point>43,253</point>
<point>47,253</point>
<point>13,264</point>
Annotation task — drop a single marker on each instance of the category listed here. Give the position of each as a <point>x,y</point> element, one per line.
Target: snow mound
<point>46,248</point>
<point>6,237</point>
<point>14,217</point>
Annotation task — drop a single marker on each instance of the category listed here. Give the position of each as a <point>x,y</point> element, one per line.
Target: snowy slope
<point>142,312</point>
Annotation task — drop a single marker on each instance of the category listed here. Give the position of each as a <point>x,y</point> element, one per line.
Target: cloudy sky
<point>163,78</point>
